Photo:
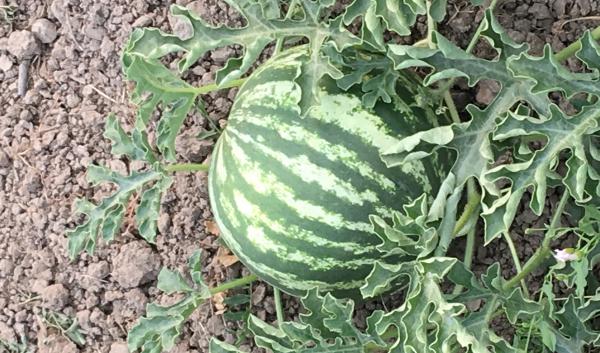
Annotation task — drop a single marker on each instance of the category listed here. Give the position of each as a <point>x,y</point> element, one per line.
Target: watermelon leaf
<point>159,87</point>
<point>162,325</point>
<point>394,15</point>
<point>327,327</point>
<point>523,79</point>
<point>409,235</point>
<point>105,219</point>
<point>430,319</point>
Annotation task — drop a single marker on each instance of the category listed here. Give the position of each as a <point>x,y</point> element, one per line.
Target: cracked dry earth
<point>50,135</point>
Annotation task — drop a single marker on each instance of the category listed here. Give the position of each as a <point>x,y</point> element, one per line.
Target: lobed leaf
<point>523,78</point>
<point>561,133</point>
<point>162,325</point>
<point>105,219</point>
<point>158,87</point>
<point>326,327</point>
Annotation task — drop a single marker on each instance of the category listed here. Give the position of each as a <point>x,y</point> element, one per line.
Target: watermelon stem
<point>186,167</point>
<point>234,284</point>
<point>278,306</point>
<point>544,250</point>
<point>471,207</point>
<point>215,87</point>
<point>569,51</point>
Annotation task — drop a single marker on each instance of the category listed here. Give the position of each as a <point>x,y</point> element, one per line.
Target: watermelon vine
<point>344,173</point>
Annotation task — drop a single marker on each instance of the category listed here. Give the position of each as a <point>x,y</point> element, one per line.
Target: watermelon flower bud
<point>567,254</point>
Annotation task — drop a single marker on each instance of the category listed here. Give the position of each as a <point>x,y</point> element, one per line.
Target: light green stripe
<point>333,152</point>
<point>309,172</point>
<point>337,109</point>
<point>261,219</point>
<point>260,234</point>
<point>268,184</point>
<point>273,95</point>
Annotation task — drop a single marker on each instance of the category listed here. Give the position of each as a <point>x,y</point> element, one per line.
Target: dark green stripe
<point>280,210</point>
<point>273,261</point>
<point>407,187</point>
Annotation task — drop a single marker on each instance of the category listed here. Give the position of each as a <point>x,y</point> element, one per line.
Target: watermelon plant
<point>346,172</point>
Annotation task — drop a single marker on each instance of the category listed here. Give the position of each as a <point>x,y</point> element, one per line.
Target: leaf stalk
<point>234,284</point>
<point>186,167</point>
<point>569,51</point>
<point>515,257</point>
<point>544,250</point>
<point>278,305</point>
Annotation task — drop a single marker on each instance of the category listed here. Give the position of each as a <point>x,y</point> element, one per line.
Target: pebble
<point>135,265</point>
<point>6,333</point>
<point>6,266</point>
<point>23,44</point>
<point>199,8</point>
<point>118,348</point>
<point>99,270</point>
<point>486,91</point>
<point>44,30</point>
<point>540,11</point>
<point>5,63</point>
<point>56,344</point>
<point>259,294</point>
<point>55,296</point>
<point>142,21</point>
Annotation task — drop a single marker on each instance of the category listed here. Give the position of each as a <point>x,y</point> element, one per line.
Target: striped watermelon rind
<point>292,194</point>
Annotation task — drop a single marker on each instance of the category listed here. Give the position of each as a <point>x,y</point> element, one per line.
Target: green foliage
<point>105,219</point>
<point>526,141</point>
<point>326,327</point>
<point>14,347</point>
<point>67,326</point>
<point>491,131</point>
<point>161,91</point>
<point>162,325</point>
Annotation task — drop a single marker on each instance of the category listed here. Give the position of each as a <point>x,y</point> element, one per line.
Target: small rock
<point>585,7</point>
<point>6,333</point>
<point>55,296</point>
<point>164,223</point>
<point>135,265</point>
<point>58,9</point>
<point>142,21</point>
<point>215,325</point>
<point>44,30</point>
<point>94,32</point>
<point>200,8</point>
<point>56,344</point>
<point>219,56</point>
<point>5,63</point>
<point>23,44</point>
<point>560,7</point>
<point>118,166</point>
<point>118,348</point>
<point>6,266</point>
<point>258,294</point>
<point>99,270</point>
<point>83,319</point>
<point>486,91</point>
<point>192,148</point>
<point>540,11</point>
<point>73,100</point>
<point>38,285</point>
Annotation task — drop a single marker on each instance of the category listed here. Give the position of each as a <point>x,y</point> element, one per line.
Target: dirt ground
<point>49,136</point>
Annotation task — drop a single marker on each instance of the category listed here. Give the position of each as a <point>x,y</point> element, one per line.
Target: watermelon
<point>292,193</point>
